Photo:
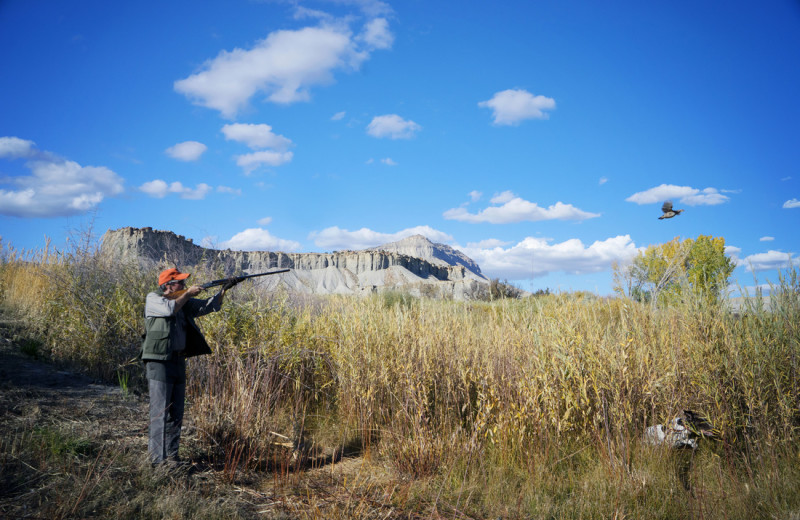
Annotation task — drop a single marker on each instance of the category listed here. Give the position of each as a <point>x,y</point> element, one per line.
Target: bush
<point>499,290</point>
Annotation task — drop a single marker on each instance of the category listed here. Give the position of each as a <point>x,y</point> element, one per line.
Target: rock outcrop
<point>419,246</point>
<point>439,271</point>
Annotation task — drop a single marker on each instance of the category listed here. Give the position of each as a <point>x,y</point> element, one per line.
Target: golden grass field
<point>530,408</point>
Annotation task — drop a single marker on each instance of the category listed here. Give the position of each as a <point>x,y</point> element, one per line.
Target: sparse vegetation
<point>517,408</point>
<point>500,290</point>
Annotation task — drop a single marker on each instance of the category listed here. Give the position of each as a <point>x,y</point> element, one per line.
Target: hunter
<point>172,336</point>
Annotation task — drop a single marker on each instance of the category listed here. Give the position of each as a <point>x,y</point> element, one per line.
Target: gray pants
<point>166,419</point>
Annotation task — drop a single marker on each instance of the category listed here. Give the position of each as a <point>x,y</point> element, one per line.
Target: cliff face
<point>341,272</point>
<point>419,246</point>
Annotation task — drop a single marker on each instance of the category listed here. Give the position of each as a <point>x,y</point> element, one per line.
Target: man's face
<point>173,287</point>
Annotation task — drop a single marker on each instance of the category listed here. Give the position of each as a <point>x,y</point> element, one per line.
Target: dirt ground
<point>35,394</point>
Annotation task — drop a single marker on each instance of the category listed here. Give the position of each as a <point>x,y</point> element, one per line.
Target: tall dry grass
<point>522,408</point>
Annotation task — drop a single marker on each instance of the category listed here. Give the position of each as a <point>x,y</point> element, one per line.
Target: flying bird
<point>668,211</point>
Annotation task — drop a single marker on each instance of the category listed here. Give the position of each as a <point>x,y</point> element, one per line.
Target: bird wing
<point>667,207</point>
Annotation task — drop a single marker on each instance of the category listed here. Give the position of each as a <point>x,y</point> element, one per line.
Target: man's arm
<point>185,297</point>
<point>199,307</point>
<point>158,306</point>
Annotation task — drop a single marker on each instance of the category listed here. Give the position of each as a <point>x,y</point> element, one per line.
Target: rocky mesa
<point>414,265</point>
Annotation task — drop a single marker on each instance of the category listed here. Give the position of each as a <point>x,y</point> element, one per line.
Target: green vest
<point>156,345</point>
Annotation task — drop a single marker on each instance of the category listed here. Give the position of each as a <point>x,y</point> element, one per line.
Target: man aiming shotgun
<point>226,283</point>
<point>172,336</point>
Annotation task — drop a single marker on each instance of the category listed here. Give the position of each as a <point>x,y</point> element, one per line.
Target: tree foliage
<point>666,272</point>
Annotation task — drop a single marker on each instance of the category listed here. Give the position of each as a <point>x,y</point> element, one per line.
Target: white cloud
<point>256,136</point>
<point>335,238</point>
<point>705,197</point>
<point>371,8</point>
<point>475,195</point>
<point>14,147</point>
<point>769,260</point>
<point>258,239</point>
<point>538,257</point>
<point>791,203</point>
<point>489,243</point>
<point>787,178</point>
<point>160,189</point>
<point>766,239</point>
<point>603,180</point>
<point>228,189</point>
<point>685,194</point>
<point>186,151</point>
<point>338,116</point>
<point>392,126</point>
<point>511,107</point>
<point>376,34</point>
<point>198,193</point>
<point>156,188</point>
<point>272,147</point>
<point>661,193</point>
<point>266,221</point>
<point>283,66</point>
<point>503,197</point>
<point>251,161</point>
<point>514,209</point>
<point>56,187</point>
<point>389,162</point>
<point>302,13</point>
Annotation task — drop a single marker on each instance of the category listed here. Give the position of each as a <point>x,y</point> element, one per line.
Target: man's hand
<point>193,290</point>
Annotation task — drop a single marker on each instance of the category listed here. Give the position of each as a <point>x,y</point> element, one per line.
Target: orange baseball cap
<point>170,275</point>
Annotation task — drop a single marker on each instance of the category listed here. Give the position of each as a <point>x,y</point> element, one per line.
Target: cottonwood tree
<point>665,273</point>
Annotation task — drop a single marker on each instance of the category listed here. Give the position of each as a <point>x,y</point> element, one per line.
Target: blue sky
<point>540,138</point>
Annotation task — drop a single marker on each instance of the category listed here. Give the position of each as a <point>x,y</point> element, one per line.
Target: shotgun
<point>224,281</point>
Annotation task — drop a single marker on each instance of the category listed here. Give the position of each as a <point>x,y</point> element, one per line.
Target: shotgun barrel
<point>238,279</point>
<point>224,281</point>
